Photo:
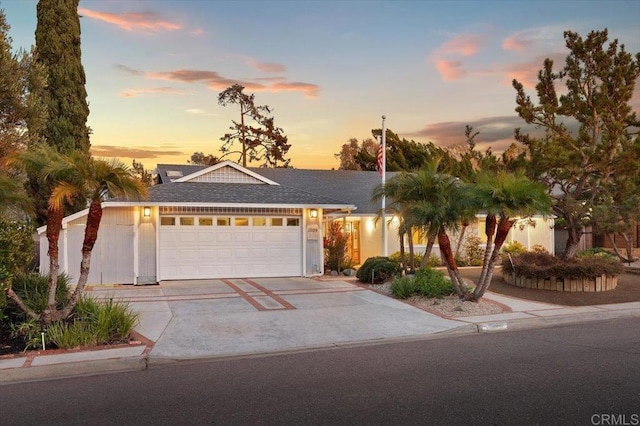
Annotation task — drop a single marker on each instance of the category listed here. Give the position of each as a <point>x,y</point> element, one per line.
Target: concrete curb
<point>552,321</point>
<point>75,369</point>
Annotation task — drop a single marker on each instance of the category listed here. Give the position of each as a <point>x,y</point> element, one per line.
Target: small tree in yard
<point>74,177</point>
<point>259,138</point>
<point>588,131</point>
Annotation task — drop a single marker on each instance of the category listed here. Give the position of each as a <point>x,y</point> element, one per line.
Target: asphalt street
<point>577,374</point>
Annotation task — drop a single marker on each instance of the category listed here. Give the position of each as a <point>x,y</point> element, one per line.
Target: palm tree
<point>503,196</point>
<point>51,168</point>
<point>73,177</point>
<point>436,202</point>
<point>97,180</point>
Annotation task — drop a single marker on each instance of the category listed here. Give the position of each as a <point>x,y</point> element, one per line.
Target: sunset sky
<point>329,69</point>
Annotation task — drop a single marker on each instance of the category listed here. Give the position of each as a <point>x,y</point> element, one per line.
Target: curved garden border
<point>593,284</point>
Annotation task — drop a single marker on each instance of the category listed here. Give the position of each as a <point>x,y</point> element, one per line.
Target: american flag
<point>380,159</point>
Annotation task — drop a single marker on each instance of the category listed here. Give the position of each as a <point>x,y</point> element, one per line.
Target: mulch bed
<point>628,290</point>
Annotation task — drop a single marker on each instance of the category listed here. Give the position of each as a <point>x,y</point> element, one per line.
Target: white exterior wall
<point>112,256</point>
<point>371,237</point>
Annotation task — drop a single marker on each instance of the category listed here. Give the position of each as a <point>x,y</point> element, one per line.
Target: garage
<point>229,246</point>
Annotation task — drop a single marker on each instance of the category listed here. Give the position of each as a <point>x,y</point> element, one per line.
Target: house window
<point>259,221</point>
<point>167,221</point>
<point>293,221</point>
<point>205,221</point>
<point>276,221</point>
<point>241,221</point>
<point>223,221</point>
<point>186,221</point>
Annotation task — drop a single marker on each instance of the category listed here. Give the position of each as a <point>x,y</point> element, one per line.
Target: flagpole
<point>384,178</point>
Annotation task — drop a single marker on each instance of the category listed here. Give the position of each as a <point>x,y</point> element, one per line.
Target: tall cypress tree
<point>58,48</point>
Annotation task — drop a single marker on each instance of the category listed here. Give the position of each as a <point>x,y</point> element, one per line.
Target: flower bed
<point>545,272</point>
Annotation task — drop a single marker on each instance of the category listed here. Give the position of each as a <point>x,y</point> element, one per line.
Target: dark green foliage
<point>404,287</point>
<point>33,289</point>
<point>433,283</point>
<point>426,283</point>
<point>17,248</point>
<point>106,322</point>
<point>58,47</point>
<point>590,130</point>
<point>544,265</point>
<point>377,270</point>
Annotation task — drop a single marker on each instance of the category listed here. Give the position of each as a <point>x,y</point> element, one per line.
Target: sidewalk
<point>157,328</point>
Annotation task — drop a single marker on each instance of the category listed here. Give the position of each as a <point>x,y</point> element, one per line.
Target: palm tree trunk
<point>412,261</point>
<point>489,230</point>
<point>503,228</point>
<point>403,260</point>
<point>431,239</point>
<point>90,236</point>
<point>54,225</point>
<point>460,238</point>
<point>450,262</point>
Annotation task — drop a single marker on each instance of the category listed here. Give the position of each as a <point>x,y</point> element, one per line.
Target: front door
<point>353,232</point>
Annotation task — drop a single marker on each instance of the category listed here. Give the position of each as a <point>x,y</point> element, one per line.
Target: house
<point>227,221</point>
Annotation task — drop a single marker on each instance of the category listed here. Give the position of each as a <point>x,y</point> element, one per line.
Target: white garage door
<point>196,247</point>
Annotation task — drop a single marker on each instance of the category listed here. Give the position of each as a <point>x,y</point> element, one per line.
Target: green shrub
<point>434,261</point>
<point>17,248</point>
<point>70,335</point>
<point>404,287</point>
<point>111,321</point>
<point>417,258</point>
<point>426,283</point>
<point>33,289</point>
<point>514,248</point>
<point>473,250</point>
<point>432,283</point>
<point>544,265</point>
<point>596,251</point>
<point>378,270</point>
<point>29,331</point>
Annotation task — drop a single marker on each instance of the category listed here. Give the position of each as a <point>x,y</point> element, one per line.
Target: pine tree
<point>58,48</point>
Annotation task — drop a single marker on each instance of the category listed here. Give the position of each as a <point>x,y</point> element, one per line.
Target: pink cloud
<point>516,42</point>
<point>269,67</point>
<point>216,82</point>
<point>450,70</point>
<point>134,93</point>
<point>131,21</point>
<point>462,44</point>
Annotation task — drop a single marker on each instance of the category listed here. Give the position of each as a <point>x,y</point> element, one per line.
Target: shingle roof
<point>203,192</point>
<point>349,186</point>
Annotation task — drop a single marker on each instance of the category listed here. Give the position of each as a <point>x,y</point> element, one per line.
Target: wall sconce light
<point>146,212</point>
<point>313,213</point>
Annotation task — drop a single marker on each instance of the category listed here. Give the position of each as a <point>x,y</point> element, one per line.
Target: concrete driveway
<point>208,318</point>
